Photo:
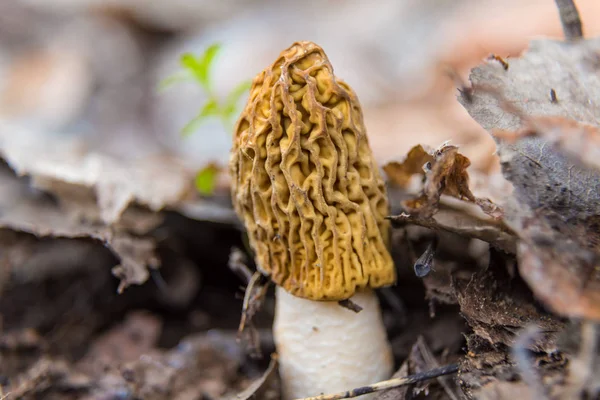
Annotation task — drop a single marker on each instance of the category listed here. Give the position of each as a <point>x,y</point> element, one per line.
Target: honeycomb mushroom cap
<point>305,182</point>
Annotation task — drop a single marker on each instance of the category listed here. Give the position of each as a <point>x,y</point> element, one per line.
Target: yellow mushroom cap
<point>305,182</point>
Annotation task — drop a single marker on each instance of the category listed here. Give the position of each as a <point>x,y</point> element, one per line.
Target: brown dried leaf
<point>445,173</point>
<point>25,210</point>
<point>400,173</point>
<point>548,149</point>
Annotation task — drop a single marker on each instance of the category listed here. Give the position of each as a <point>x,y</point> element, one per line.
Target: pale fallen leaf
<point>93,181</point>
<point>543,112</point>
<point>24,209</point>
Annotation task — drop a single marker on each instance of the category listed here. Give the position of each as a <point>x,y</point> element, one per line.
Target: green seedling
<point>199,69</point>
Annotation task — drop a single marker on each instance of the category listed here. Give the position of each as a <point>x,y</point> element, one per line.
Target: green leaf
<point>181,76</point>
<point>234,97</point>
<point>210,109</point>
<point>192,126</point>
<point>191,63</point>
<point>206,63</point>
<point>200,66</point>
<point>206,179</point>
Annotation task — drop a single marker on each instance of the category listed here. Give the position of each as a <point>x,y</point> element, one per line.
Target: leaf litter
<point>513,279</point>
<point>543,114</point>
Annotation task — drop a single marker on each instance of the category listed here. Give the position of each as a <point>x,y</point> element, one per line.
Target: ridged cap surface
<point>305,183</point>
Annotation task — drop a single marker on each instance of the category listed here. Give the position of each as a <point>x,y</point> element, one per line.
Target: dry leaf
<point>99,186</point>
<point>446,174</point>
<point>580,142</point>
<point>400,173</point>
<point>465,219</point>
<point>25,210</point>
<point>547,146</point>
<point>445,171</point>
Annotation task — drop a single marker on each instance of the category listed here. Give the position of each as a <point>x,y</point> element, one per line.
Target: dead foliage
<point>445,201</point>
<point>547,152</point>
<point>507,284</point>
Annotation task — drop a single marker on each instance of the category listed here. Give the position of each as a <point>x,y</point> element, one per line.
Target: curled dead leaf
<point>400,173</point>
<point>445,173</point>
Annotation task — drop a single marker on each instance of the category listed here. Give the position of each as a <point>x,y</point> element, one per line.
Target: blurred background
<point>82,75</point>
<point>97,173</point>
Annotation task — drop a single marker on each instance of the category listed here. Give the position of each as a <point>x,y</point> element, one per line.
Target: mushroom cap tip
<point>305,182</point>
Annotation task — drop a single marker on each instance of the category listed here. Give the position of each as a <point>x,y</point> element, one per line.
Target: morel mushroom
<point>305,184</point>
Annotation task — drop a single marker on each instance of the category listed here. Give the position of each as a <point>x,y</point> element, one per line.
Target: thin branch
<point>431,362</point>
<point>389,384</point>
<point>569,18</point>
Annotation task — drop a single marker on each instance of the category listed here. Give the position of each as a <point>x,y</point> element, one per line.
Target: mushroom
<point>306,186</point>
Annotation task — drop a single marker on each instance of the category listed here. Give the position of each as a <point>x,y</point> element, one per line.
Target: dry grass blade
<point>254,297</point>
<point>389,384</point>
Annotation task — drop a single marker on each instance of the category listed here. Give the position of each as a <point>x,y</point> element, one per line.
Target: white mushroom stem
<point>325,348</point>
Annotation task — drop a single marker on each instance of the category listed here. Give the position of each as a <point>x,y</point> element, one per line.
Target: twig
<point>389,384</point>
<point>254,296</point>
<point>432,363</point>
<point>569,18</point>
<point>589,340</point>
